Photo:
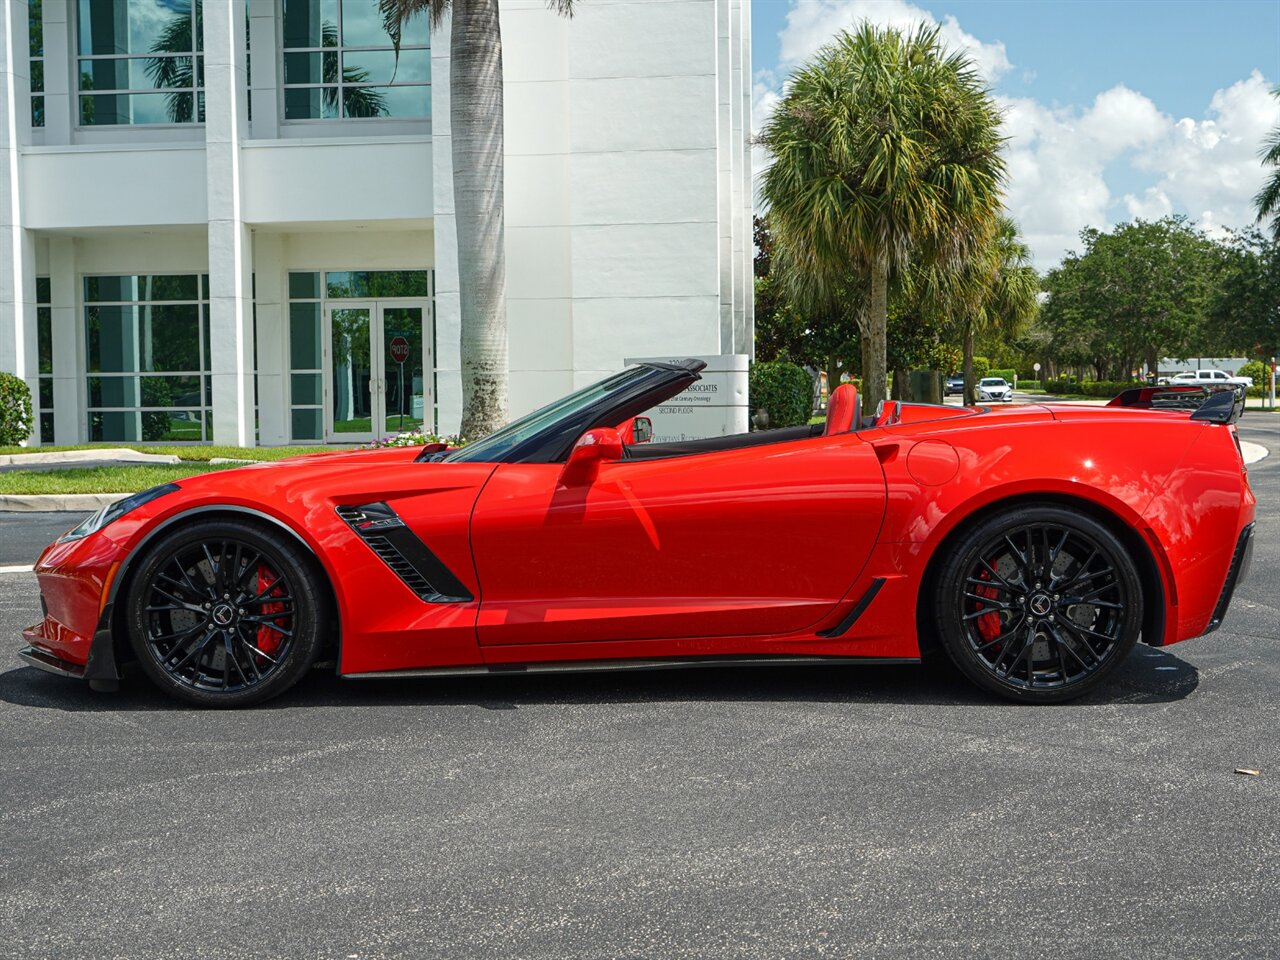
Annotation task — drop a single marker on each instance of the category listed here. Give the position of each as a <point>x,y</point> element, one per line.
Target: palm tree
<point>1268,199</point>
<point>475,115</point>
<point>1009,293</point>
<point>886,150</point>
<point>994,289</point>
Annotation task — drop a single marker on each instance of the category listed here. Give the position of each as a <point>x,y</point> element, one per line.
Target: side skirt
<point>593,666</point>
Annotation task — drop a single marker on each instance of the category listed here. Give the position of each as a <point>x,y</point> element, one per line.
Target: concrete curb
<point>121,454</point>
<point>1253,452</point>
<point>222,461</point>
<point>56,502</point>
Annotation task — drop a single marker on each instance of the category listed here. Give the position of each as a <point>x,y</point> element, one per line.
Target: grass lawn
<point>129,479</point>
<point>195,454</point>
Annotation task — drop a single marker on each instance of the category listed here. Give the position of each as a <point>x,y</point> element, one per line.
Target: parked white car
<point>994,388</point>
<point>1203,378</point>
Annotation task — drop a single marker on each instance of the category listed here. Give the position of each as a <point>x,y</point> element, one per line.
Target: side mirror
<point>593,448</point>
<point>642,430</point>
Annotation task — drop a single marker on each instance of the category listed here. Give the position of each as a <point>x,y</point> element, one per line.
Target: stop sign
<point>399,349</point>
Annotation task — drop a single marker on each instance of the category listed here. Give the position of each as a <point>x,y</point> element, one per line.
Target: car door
<point>759,541</point>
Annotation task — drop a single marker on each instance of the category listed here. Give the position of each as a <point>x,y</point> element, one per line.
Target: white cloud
<point>1152,205</point>
<point>1057,159</point>
<point>1210,168</point>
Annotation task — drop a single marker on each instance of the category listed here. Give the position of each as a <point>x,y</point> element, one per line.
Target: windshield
<point>993,382</point>
<point>495,446</point>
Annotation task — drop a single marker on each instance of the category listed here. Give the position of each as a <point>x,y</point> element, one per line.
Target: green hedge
<point>981,368</point>
<point>1092,388</point>
<point>1008,374</point>
<point>15,410</point>
<point>784,391</point>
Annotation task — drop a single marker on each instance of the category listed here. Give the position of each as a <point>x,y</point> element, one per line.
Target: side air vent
<point>399,548</point>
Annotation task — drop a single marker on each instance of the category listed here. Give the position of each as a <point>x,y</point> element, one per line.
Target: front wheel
<point>223,613</point>
<point>1038,604</point>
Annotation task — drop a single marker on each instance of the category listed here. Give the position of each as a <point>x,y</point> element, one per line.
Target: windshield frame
<point>547,434</point>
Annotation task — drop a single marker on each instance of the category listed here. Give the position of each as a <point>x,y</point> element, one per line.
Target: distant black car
<point>955,385</point>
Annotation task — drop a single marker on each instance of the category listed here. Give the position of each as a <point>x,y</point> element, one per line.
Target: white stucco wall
<point>627,188</point>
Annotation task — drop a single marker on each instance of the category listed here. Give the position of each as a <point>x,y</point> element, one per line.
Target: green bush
<point>1008,374</point>
<point>784,391</point>
<point>981,368</point>
<point>1256,371</point>
<point>16,421</point>
<point>1092,388</point>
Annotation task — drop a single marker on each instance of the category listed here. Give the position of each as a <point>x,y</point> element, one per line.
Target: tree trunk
<point>833,374</point>
<point>901,385</point>
<point>475,113</point>
<point>874,377</point>
<point>968,363</point>
<point>1153,363</point>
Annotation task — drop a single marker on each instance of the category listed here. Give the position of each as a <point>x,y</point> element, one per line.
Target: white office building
<point>229,221</point>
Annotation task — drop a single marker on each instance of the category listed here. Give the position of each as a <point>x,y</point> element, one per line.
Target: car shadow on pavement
<point>1148,676</point>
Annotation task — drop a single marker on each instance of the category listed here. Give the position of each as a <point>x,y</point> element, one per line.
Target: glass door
<point>407,368</point>
<point>379,378</point>
<point>350,387</point>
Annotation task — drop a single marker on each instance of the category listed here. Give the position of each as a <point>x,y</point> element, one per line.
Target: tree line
<point>1152,289</point>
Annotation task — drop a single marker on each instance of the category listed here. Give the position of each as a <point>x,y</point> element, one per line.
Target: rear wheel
<point>1039,604</point>
<point>225,613</point>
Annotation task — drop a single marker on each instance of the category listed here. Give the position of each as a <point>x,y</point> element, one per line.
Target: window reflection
<point>128,48</point>
<point>147,345</point>
<point>339,61</point>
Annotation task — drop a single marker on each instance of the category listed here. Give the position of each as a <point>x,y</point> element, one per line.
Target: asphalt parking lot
<point>869,812</point>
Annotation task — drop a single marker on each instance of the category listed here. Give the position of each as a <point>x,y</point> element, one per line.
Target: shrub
<point>15,410</point>
<point>981,368</point>
<point>784,391</point>
<point>1008,374</point>
<point>1092,388</point>
<point>1256,371</point>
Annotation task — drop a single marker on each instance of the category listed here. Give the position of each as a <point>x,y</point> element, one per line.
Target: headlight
<point>114,511</point>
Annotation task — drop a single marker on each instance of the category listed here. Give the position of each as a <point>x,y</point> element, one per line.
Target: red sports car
<point>1033,544</point>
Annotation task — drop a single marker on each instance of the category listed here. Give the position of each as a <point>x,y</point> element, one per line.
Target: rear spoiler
<point>1208,404</point>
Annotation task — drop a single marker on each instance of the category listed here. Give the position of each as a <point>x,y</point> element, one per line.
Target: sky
<point>1114,109</point>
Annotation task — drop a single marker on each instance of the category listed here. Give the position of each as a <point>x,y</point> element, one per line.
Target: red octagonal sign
<point>399,349</point>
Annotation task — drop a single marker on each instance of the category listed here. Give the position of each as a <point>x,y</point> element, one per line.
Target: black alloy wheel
<point>1039,604</point>
<point>225,613</point>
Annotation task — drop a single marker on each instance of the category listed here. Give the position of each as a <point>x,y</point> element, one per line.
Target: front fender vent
<point>399,548</point>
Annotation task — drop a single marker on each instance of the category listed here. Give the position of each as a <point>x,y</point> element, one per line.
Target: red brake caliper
<point>268,639</point>
<point>988,623</point>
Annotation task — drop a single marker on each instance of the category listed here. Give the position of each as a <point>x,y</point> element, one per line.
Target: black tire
<point>1038,603</point>
<point>225,613</point>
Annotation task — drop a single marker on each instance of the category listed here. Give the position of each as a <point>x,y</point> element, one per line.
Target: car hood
<point>311,468</point>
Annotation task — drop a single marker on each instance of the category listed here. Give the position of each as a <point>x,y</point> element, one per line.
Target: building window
<point>141,62</point>
<point>44,345</point>
<point>147,349</point>
<point>306,369</point>
<point>339,62</point>
<point>35,33</point>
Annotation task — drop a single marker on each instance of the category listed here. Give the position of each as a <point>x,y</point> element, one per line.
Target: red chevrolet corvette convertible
<point>1033,544</point>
